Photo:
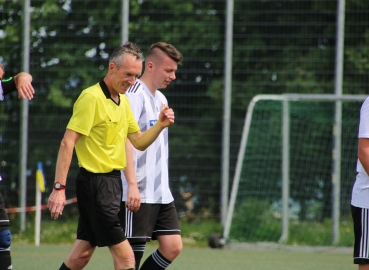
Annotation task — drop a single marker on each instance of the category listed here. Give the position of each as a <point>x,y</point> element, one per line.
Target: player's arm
<point>57,199</point>
<point>363,153</point>
<point>23,82</point>
<point>142,140</point>
<point>7,86</point>
<point>133,195</point>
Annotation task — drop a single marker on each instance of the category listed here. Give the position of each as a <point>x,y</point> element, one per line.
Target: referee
<point>101,122</point>
<point>22,83</point>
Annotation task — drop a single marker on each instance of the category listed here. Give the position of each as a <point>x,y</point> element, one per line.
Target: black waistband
<point>112,173</point>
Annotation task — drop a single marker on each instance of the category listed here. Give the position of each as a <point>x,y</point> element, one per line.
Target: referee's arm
<point>57,199</point>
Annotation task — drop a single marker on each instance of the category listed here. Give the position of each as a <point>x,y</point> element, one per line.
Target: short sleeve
<point>83,114</point>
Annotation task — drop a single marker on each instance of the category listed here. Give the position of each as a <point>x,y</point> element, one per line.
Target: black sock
<point>155,261</point>
<point>138,250</point>
<point>64,267</point>
<point>5,260</point>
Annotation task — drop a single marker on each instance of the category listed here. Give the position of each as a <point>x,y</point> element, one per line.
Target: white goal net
<point>295,170</point>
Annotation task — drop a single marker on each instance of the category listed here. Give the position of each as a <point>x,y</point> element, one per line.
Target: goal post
<point>280,111</point>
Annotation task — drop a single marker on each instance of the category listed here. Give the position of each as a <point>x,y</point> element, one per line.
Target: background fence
<point>278,47</point>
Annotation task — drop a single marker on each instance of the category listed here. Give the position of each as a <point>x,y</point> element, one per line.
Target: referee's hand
<point>56,203</point>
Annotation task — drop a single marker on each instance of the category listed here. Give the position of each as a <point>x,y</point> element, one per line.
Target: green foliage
<point>315,233</point>
<point>52,232</point>
<point>256,221</point>
<point>252,222</point>
<point>196,233</point>
<point>58,232</point>
<point>264,228</point>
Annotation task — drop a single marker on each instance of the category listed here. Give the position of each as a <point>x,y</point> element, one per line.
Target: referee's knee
<point>79,261</point>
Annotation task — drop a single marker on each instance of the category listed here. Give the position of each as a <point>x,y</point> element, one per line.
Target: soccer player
<point>101,121</point>
<point>360,193</point>
<point>22,83</point>
<point>157,216</point>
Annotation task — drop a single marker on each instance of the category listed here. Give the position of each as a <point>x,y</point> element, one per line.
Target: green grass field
<point>48,256</point>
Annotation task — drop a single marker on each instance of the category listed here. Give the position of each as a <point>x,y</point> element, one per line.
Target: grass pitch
<point>250,257</point>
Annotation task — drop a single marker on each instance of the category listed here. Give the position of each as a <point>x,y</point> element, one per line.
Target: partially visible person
<point>23,83</point>
<point>101,122</point>
<point>156,217</point>
<point>360,193</point>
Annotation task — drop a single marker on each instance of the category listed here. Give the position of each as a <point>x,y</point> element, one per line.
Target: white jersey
<point>151,165</point>
<point>360,191</point>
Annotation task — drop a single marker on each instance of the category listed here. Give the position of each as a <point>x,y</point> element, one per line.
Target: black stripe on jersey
<point>133,88</point>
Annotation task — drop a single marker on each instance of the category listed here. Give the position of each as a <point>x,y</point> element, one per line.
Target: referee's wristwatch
<point>59,186</point>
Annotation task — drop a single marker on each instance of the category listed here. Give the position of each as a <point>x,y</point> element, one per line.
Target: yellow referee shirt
<point>104,126</point>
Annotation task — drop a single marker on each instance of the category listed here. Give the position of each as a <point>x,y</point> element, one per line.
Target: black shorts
<point>98,198</point>
<point>149,221</point>
<point>360,218</point>
<point>4,220</point>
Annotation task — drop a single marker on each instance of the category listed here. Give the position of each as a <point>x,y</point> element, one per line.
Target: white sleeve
<point>364,120</point>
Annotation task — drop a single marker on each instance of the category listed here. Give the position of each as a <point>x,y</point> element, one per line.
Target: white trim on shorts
<point>363,249</point>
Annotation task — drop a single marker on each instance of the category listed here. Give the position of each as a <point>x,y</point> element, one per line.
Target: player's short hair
<point>127,48</point>
<point>168,49</point>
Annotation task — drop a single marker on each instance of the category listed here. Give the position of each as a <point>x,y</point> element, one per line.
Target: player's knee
<point>172,251</point>
<point>5,239</point>
<point>177,248</point>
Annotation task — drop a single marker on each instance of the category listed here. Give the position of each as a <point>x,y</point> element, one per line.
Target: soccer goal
<point>296,163</point>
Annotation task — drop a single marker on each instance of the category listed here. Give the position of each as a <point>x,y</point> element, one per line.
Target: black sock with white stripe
<point>155,262</point>
<point>138,250</point>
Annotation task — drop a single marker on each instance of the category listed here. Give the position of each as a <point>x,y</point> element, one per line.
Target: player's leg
<point>361,231</point>
<point>155,261</point>
<point>5,238</point>
<point>5,241</point>
<point>138,250</point>
<point>167,232</point>
<point>170,246</point>
<point>138,227</point>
